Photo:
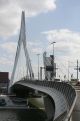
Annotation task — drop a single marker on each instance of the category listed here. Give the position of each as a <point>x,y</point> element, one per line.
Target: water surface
<point>22,115</point>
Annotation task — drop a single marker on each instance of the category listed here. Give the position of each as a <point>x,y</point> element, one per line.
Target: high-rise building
<point>49,67</point>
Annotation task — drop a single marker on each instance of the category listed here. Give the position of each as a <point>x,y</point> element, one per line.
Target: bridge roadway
<point>60,99</point>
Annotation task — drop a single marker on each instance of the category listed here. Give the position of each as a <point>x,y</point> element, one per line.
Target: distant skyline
<point>46,21</point>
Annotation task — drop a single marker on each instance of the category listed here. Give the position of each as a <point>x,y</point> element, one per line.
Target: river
<point>22,115</point>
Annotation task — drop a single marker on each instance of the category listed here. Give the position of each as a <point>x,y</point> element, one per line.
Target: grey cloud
<point>67,42</point>
<point>10,12</point>
<point>37,6</point>
<point>4,3</point>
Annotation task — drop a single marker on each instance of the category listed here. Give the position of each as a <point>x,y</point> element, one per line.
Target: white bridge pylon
<point>22,57</point>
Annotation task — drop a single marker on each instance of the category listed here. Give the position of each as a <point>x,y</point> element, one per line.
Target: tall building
<point>49,67</point>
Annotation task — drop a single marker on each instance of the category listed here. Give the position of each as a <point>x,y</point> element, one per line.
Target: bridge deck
<point>63,97</point>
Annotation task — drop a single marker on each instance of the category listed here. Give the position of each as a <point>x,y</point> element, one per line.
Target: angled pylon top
<point>22,43</point>
<point>22,29</point>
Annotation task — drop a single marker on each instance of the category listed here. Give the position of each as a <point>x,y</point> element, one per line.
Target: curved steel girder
<point>62,109</point>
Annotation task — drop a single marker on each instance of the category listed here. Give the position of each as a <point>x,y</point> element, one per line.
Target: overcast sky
<point>46,21</point>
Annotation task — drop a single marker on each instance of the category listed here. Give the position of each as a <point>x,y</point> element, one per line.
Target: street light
<point>53,58</point>
<point>38,65</point>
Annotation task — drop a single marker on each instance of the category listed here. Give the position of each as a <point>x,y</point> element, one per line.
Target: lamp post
<point>53,58</point>
<point>77,70</point>
<point>38,65</point>
<point>68,70</point>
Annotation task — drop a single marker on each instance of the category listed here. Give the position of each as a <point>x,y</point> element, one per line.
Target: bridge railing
<point>66,89</point>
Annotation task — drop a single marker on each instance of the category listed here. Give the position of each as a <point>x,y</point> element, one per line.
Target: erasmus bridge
<point>59,98</point>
